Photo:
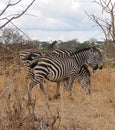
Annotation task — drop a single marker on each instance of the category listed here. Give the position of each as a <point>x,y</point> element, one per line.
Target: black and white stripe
<point>28,55</point>
<point>59,69</point>
<point>83,74</point>
<point>61,53</point>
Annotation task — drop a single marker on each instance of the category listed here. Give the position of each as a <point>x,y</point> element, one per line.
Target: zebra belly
<point>59,77</point>
<point>55,79</point>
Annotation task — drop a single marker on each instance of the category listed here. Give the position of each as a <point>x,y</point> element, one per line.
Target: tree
<point>45,45</point>
<point>33,44</point>
<point>71,44</point>
<point>107,25</point>
<point>11,36</point>
<point>82,45</point>
<point>92,41</point>
<point>8,19</point>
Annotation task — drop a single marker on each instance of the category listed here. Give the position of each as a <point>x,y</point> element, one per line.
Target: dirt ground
<point>85,112</point>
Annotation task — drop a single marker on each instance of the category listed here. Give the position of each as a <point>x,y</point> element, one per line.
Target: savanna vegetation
<point>86,112</point>
<point>95,111</point>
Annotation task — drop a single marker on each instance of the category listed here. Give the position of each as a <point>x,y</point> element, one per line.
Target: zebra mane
<point>93,49</point>
<point>81,50</point>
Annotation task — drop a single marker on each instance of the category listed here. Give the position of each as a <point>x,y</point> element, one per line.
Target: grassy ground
<point>85,112</point>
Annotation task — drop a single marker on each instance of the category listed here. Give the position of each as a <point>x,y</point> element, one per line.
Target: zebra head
<point>98,58</point>
<point>24,54</point>
<point>95,58</point>
<point>27,56</point>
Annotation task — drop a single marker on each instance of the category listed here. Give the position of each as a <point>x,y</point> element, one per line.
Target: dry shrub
<point>85,112</point>
<point>17,112</point>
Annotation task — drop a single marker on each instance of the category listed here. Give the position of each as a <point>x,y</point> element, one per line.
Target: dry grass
<point>93,112</point>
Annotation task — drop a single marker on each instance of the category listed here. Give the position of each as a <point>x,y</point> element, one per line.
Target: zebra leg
<point>65,82</point>
<point>40,82</point>
<point>85,84</point>
<point>70,85</point>
<point>57,94</point>
<point>44,91</point>
<point>32,84</point>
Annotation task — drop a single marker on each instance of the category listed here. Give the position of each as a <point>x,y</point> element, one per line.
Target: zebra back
<point>62,53</point>
<point>90,56</point>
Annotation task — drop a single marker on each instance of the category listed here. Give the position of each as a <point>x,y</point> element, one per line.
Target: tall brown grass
<point>85,112</point>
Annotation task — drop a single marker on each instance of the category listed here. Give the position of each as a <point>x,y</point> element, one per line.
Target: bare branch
<point>18,15</point>
<point>7,17</point>
<point>105,5</point>
<point>96,20</point>
<point>20,30</point>
<point>8,5</point>
<point>106,25</point>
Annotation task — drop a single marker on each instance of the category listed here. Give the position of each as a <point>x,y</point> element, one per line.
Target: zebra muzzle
<point>88,92</point>
<point>101,67</point>
<point>96,67</point>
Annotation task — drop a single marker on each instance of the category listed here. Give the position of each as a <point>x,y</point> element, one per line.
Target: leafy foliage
<point>45,45</point>
<point>82,45</point>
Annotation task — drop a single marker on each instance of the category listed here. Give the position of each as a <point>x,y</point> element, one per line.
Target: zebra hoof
<point>88,92</point>
<point>49,99</point>
<point>57,96</point>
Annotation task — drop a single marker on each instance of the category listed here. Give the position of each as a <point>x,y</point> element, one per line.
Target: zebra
<point>58,69</point>
<point>58,53</point>
<point>83,75</point>
<point>29,55</point>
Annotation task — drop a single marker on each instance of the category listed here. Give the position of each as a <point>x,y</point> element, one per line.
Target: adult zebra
<point>83,74</point>
<point>59,69</point>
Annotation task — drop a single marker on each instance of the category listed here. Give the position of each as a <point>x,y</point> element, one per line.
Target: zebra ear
<point>93,48</point>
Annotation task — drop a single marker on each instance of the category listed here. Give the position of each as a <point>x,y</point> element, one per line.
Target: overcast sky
<point>57,19</point>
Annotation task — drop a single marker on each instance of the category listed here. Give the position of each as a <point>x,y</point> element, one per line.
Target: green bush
<point>82,45</point>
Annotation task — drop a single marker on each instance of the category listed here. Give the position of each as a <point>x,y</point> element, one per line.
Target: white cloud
<point>57,19</point>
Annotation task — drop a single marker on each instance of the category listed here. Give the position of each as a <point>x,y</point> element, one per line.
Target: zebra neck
<point>80,58</point>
